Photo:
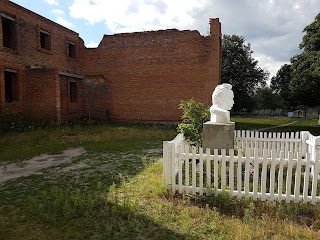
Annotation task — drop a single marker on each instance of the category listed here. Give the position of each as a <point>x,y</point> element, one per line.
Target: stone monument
<point>218,133</point>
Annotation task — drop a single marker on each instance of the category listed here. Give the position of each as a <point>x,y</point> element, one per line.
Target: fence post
<point>316,151</point>
<point>167,148</point>
<point>305,137</point>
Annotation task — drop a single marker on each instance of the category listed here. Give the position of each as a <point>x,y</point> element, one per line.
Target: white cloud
<point>274,28</point>
<point>269,64</point>
<point>92,45</point>
<point>64,22</point>
<point>136,15</point>
<point>52,2</point>
<point>57,11</point>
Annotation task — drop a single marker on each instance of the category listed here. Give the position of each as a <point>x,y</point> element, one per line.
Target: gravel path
<point>283,125</point>
<point>34,165</point>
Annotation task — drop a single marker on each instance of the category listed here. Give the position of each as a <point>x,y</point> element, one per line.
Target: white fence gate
<point>263,166</point>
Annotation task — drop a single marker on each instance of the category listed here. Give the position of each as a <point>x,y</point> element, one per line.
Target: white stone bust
<point>222,102</point>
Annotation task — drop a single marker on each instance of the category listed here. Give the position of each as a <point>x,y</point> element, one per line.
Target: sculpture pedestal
<point>218,136</point>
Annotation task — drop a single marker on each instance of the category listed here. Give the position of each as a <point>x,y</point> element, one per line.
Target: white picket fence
<point>278,141</point>
<point>266,169</point>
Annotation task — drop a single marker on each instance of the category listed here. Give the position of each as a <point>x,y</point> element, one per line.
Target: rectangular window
<point>10,86</point>
<point>45,41</point>
<point>71,50</point>
<point>8,33</point>
<point>73,91</point>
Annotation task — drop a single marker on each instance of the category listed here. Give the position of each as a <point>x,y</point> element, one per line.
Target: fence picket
<point>306,178</point>
<point>265,145</point>
<point>231,170</point>
<point>256,144</point>
<point>269,143</point>
<point>173,166</point>
<point>201,171</point>
<point>187,162</point>
<point>194,171</point>
<point>208,169</point>
<point>280,175</point>
<point>272,174</point>
<point>315,178</point>
<point>297,178</point>
<point>291,143</point>
<point>286,150</point>
<point>278,147</point>
<point>216,170</point>
<point>243,136</point>
<point>180,163</point>
<point>283,136</point>
<point>289,177</point>
<point>264,174</point>
<point>256,174</point>
<point>247,172</point>
<point>223,169</point>
<point>239,174</point>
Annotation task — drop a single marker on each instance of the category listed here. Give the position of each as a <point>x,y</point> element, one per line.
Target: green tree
<point>266,98</point>
<point>241,70</point>
<point>194,115</point>
<point>305,84</point>
<point>280,84</point>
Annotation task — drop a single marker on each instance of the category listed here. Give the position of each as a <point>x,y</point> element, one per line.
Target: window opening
<point>73,92</point>
<point>8,32</point>
<point>45,40</point>
<point>11,86</point>
<point>71,50</point>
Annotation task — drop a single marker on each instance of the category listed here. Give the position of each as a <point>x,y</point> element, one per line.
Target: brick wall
<point>41,95</point>
<point>150,73</point>
<point>95,97</point>
<point>27,53</point>
<point>129,77</point>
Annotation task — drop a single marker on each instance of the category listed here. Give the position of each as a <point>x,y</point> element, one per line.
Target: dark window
<point>11,86</point>
<point>73,92</point>
<point>45,40</point>
<point>8,32</point>
<point>71,50</point>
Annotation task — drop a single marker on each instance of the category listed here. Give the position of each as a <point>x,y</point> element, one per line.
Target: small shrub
<point>194,115</point>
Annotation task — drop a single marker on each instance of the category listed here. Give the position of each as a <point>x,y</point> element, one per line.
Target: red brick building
<point>46,72</point>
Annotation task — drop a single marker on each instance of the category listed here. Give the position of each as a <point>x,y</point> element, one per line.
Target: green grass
<point>263,122</point>
<point>115,191</point>
<point>114,137</point>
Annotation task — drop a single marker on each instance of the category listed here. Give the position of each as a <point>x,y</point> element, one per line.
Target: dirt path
<point>34,165</point>
<point>283,125</point>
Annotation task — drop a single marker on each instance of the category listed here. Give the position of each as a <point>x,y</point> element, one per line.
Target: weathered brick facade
<point>47,72</point>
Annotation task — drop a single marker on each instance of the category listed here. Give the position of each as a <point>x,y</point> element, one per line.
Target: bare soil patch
<point>34,165</point>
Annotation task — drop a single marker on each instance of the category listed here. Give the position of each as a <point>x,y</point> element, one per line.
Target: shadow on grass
<point>100,219</point>
<point>76,206</point>
<point>249,210</point>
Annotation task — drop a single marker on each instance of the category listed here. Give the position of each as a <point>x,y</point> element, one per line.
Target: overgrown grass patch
<point>95,138</point>
<point>139,207</point>
<point>115,191</point>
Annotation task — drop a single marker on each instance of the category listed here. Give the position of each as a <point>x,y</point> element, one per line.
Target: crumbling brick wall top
<point>167,36</point>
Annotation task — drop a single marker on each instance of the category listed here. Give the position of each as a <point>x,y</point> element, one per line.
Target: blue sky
<point>273,27</point>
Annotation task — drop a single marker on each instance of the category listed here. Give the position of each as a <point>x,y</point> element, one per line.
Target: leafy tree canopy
<point>305,84</point>
<point>241,70</point>
<point>266,98</point>
<point>311,40</point>
<point>280,83</point>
